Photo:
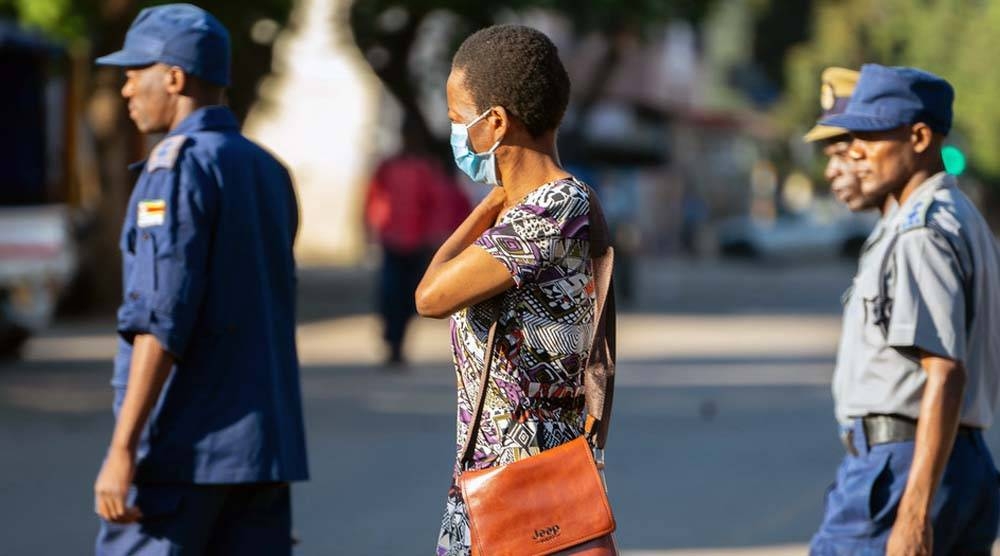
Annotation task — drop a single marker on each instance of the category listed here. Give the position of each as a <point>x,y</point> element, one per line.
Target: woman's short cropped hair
<point>516,67</point>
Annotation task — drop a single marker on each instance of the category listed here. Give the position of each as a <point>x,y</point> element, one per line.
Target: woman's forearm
<point>458,276</point>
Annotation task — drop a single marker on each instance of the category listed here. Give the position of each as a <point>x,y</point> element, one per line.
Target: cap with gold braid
<point>835,91</point>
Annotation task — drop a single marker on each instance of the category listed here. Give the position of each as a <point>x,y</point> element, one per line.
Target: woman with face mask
<point>521,259</point>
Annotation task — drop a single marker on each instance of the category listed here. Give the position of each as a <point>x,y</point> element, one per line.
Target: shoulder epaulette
<point>165,153</point>
<point>917,216</point>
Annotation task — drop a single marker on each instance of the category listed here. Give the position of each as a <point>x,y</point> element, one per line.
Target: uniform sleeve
<point>293,203</point>
<point>176,257</point>
<point>523,243</point>
<point>928,296</point>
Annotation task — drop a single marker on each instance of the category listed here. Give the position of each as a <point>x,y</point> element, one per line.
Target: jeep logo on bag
<point>546,534</point>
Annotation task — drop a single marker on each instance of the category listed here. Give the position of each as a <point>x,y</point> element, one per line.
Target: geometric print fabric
<point>535,398</point>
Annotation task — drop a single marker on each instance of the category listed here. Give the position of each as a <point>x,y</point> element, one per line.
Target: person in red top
<point>412,205</point>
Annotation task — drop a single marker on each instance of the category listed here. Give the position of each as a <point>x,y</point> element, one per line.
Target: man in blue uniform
<point>209,429</point>
<point>918,371</point>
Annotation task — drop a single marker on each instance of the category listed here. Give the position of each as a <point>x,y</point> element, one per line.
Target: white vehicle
<point>37,260</point>
<point>801,236</point>
<point>43,191</point>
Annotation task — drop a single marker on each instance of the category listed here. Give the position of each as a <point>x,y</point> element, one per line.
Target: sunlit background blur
<point>685,115</point>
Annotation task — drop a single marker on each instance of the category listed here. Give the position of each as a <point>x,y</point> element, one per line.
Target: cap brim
<point>126,59</point>
<point>821,132</point>
<point>855,122</point>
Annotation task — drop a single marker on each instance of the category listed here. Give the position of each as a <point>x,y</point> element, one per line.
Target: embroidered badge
<point>165,153</point>
<point>917,217</point>
<point>151,213</point>
<point>827,96</point>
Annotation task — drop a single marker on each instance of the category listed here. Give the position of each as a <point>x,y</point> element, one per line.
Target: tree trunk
<point>395,76</point>
<point>117,144</point>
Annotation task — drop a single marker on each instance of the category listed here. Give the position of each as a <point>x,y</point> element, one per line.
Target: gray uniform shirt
<point>872,244</point>
<point>926,284</point>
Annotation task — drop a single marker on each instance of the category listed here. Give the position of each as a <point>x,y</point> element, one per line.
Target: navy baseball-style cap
<point>889,97</point>
<point>180,35</point>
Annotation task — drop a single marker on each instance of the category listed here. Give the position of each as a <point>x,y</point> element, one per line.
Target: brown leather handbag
<point>554,502</point>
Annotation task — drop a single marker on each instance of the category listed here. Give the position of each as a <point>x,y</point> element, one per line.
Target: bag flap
<point>539,505</point>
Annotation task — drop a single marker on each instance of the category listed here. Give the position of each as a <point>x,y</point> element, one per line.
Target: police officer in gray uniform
<point>836,86</point>
<point>918,372</point>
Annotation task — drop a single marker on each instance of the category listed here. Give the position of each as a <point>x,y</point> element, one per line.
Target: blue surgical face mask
<point>480,167</point>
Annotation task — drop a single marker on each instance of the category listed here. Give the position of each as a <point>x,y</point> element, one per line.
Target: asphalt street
<point>723,439</point>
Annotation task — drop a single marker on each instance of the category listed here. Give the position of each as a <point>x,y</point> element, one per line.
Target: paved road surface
<point>723,439</point>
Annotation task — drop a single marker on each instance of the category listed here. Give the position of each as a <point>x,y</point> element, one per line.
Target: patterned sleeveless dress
<point>535,399</point>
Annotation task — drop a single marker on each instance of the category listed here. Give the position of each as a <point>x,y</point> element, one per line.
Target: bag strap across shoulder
<point>599,375</point>
<point>469,448</point>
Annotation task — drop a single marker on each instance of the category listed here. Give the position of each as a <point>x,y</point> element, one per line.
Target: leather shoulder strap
<point>469,447</point>
<point>599,375</point>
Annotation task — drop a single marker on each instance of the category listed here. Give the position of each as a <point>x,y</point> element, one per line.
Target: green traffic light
<point>954,160</point>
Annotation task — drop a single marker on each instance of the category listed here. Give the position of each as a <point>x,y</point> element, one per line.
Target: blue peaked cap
<point>889,97</point>
<point>180,35</point>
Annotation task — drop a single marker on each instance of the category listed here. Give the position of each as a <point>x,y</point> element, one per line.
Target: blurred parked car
<point>37,260</point>
<point>43,193</point>
<point>806,235</point>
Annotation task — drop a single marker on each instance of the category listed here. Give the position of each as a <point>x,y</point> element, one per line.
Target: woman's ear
<point>500,121</point>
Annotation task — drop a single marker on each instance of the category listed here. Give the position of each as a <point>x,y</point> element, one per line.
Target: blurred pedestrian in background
<point>918,371</point>
<point>695,213</point>
<point>209,429</point>
<point>412,205</point>
<point>619,193</point>
<point>520,259</point>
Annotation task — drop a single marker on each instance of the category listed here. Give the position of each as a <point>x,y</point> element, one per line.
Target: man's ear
<point>176,80</point>
<point>921,137</point>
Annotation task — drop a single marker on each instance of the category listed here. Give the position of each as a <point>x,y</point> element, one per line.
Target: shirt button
<point>145,236</point>
<point>133,296</point>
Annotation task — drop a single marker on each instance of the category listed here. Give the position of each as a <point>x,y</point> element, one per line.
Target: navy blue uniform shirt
<point>209,271</point>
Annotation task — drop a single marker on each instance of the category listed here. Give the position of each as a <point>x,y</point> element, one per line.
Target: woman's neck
<point>525,169</point>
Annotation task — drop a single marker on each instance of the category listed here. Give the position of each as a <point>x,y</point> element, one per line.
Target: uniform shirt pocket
<point>144,275</point>
<point>140,282</point>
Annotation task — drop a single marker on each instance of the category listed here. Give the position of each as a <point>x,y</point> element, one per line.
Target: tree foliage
<point>60,18</point>
<point>102,25</point>
<point>386,31</point>
<point>952,38</point>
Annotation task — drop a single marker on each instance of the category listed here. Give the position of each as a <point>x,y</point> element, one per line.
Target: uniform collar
<point>208,118</point>
<point>926,189</point>
<point>877,232</point>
